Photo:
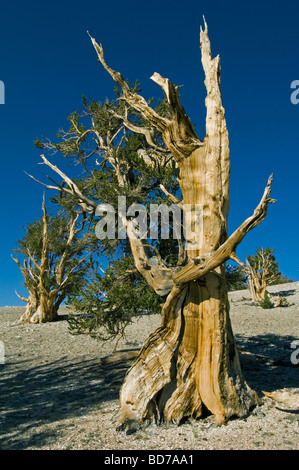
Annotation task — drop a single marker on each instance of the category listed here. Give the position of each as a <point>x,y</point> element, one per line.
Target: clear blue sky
<point>48,63</point>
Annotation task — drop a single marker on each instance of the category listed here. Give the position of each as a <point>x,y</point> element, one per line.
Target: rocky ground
<point>59,391</point>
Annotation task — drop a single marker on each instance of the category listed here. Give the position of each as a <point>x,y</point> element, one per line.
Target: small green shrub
<point>266,303</point>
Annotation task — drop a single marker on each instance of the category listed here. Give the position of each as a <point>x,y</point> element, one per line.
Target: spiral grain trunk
<point>190,364</point>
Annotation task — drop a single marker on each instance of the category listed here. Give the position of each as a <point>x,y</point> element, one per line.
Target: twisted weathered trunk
<point>257,285</point>
<point>46,311</point>
<point>31,307</point>
<point>40,308</point>
<point>190,363</point>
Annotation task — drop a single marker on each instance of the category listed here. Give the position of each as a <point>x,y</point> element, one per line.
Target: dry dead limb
<point>284,397</point>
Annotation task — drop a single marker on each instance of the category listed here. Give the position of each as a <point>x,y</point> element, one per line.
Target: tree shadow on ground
<point>54,391</point>
<point>284,293</point>
<point>268,366</point>
<point>32,396</point>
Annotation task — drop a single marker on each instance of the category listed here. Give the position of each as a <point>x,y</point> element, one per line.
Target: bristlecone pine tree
<point>190,363</point>
<point>262,271</point>
<point>52,263</point>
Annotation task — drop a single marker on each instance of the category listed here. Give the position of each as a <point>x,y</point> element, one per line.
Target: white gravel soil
<point>59,391</point>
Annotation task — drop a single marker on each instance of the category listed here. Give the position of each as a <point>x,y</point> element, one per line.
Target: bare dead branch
<point>178,132</point>
<point>216,128</point>
<point>88,205</point>
<point>199,267</point>
<point>60,268</point>
<point>21,297</point>
<point>172,197</point>
<point>153,269</point>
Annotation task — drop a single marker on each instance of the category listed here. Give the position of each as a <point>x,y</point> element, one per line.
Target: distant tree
<point>262,271</point>
<point>53,266</point>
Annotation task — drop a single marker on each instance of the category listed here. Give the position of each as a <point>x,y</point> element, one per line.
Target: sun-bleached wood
<point>190,363</point>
